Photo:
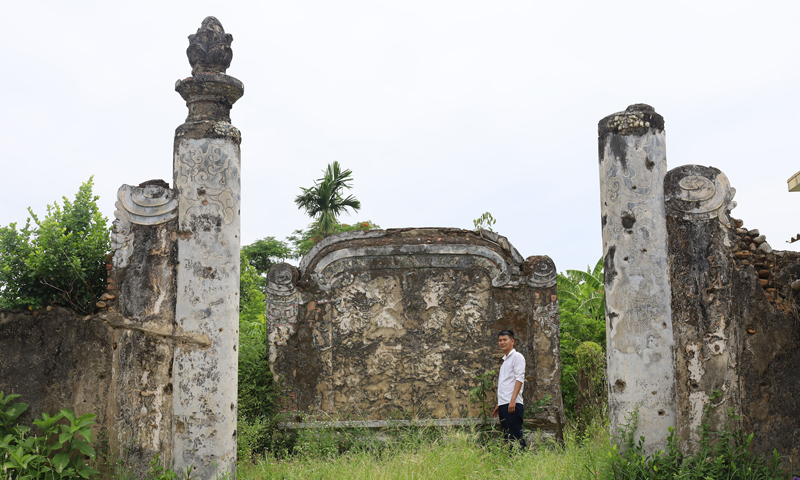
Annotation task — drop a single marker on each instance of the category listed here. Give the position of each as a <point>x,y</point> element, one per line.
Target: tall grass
<point>445,453</point>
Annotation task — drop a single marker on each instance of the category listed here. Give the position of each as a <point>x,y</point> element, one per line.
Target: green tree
<point>263,254</point>
<point>304,240</point>
<point>251,299</point>
<point>581,302</point>
<point>60,259</point>
<point>324,202</point>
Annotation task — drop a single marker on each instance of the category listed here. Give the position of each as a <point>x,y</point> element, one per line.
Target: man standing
<point>509,389</point>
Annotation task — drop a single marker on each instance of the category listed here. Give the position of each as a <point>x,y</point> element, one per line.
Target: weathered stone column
<point>641,365</point>
<point>206,174</point>
<point>698,201</point>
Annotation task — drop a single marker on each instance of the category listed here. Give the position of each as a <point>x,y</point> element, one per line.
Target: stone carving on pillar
<point>208,166</point>
<point>151,203</point>
<point>698,193</point>
<point>282,300</point>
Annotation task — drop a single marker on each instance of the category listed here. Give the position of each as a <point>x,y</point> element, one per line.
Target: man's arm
<point>512,405</point>
<point>518,370</point>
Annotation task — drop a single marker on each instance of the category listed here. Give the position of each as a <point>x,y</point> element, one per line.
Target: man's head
<point>505,339</point>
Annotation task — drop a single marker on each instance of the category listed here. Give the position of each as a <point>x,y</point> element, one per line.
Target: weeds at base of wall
<point>722,455</point>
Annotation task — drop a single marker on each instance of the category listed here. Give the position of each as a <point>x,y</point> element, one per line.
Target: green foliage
<point>251,300</point>
<point>591,365</point>
<point>158,472</point>
<point>533,407</point>
<point>57,454</point>
<point>263,254</point>
<point>480,393</point>
<point>59,259</point>
<point>581,302</point>
<point>484,222</point>
<point>324,202</point>
<point>256,388</point>
<point>304,240</point>
<point>259,396</point>
<point>326,443</point>
<point>720,456</point>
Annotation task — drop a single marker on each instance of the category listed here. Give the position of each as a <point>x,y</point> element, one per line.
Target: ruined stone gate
<point>383,324</point>
<point>384,321</point>
<point>699,310</point>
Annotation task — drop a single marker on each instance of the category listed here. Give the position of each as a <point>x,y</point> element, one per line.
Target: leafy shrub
<point>480,393</point>
<point>484,222</point>
<point>59,259</point>
<point>56,454</point>
<point>591,395</point>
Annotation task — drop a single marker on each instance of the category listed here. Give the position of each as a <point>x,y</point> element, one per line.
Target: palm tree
<point>581,304</point>
<point>324,203</point>
<point>583,292</point>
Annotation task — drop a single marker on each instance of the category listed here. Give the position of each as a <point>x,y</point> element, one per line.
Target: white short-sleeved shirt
<point>512,370</point>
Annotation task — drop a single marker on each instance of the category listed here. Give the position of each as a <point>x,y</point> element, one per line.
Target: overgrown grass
<point>457,453</point>
<point>443,453</point>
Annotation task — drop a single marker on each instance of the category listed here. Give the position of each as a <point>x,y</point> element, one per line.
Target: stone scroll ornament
<point>543,273</point>
<point>331,271</point>
<point>282,300</point>
<point>696,192</point>
<point>151,203</point>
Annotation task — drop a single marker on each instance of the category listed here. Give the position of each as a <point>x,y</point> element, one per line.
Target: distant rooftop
<point>794,182</point>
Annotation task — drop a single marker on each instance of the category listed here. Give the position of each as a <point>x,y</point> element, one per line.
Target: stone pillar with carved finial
<point>206,176</point>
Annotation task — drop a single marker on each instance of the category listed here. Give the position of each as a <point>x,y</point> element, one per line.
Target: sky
<point>443,110</point>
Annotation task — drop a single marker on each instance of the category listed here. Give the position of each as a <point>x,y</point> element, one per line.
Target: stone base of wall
<point>94,364</point>
<point>58,359</point>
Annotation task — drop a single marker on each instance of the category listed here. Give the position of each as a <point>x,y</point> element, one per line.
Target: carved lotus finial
<point>210,48</point>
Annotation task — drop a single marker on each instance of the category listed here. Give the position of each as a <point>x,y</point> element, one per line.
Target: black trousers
<point>511,423</point>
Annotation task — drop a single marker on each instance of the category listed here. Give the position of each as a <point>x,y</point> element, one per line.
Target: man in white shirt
<point>509,389</point>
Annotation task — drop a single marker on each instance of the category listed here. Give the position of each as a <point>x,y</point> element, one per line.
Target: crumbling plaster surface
<point>58,359</point>
<point>382,324</point>
<point>698,201</point>
<point>735,312</point>
<point>207,309</point>
<point>143,316</point>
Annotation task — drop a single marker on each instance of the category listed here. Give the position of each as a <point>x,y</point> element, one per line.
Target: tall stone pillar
<point>641,365</point>
<point>206,176</point>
